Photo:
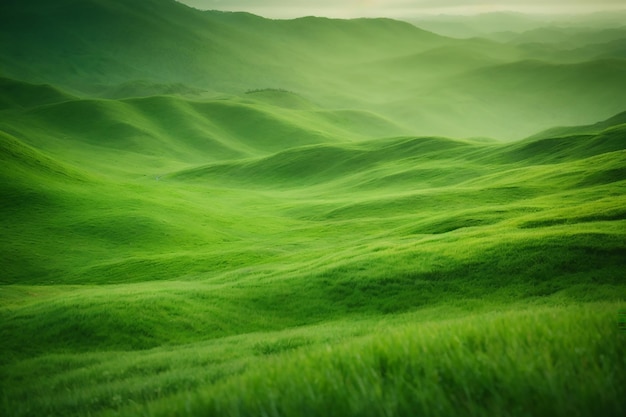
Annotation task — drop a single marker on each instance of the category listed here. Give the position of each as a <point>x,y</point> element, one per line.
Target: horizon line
<point>452,12</point>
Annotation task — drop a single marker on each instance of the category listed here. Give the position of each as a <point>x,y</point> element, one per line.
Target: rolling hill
<point>17,94</point>
<point>261,151</point>
<point>306,237</point>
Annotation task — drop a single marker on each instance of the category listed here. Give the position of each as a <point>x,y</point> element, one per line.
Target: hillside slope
<point>263,189</point>
<point>20,94</point>
<point>581,130</point>
<point>162,130</point>
<point>64,44</point>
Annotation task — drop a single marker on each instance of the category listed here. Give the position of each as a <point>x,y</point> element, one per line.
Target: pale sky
<point>402,8</point>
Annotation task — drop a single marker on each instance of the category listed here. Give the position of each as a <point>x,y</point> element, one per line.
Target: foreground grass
<point>546,361</point>
<point>523,359</point>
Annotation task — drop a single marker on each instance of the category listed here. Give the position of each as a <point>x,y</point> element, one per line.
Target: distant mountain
<point>570,37</point>
<point>84,45</point>
<point>479,25</point>
<point>432,84</point>
<point>509,25</point>
<point>514,99</point>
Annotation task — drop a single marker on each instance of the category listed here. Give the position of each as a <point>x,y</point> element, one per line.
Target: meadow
<point>357,237</point>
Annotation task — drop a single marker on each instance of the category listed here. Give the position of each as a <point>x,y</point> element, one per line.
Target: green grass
<point>516,360</point>
<point>244,273</point>
<point>187,235</point>
<point>469,366</point>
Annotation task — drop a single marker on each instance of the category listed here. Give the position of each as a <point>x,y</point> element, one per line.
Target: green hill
<point>337,176</point>
<point>20,94</point>
<point>598,127</point>
<point>163,129</point>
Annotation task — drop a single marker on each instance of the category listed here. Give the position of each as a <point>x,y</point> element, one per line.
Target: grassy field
<point>176,243</point>
<point>336,277</point>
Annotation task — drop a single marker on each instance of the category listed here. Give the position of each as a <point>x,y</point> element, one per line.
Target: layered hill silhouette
<point>412,76</point>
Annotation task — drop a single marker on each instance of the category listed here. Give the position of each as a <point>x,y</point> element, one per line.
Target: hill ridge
<point>14,93</point>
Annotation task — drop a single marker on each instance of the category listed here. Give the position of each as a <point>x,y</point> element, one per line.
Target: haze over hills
<point>380,65</point>
<point>214,213</point>
<point>507,25</point>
